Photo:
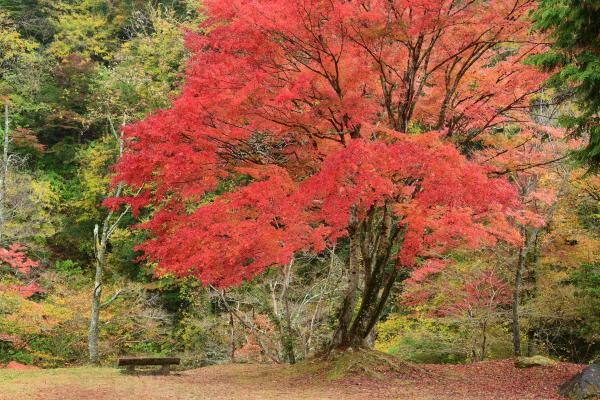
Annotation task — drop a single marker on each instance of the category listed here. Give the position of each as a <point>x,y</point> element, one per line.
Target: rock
<point>535,361</point>
<point>584,385</point>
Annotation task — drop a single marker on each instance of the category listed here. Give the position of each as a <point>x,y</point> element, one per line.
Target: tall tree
<point>101,238</point>
<point>537,167</point>
<point>311,103</point>
<point>4,169</point>
<point>573,27</point>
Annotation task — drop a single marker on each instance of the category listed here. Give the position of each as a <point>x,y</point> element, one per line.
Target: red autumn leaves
<point>311,102</point>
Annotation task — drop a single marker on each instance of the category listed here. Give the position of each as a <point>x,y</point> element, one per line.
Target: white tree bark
<point>4,172</point>
<point>110,223</point>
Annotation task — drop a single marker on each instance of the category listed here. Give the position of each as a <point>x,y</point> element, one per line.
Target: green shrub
<point>423,340</point>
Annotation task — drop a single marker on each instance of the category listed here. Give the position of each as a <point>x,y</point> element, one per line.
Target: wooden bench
<point>164,362</point>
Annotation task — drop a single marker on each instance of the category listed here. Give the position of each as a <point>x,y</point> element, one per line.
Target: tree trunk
<point>232,337</point>
<point>94,318</point>
<point>97,292</point>
<point>277,317</point>
<point>288,336</point>
<point>341,337</point>
<point>530,342</point>
<point>371,243</point>
<point>100,243</point>
<point>317,312</point>
<point>516,328</point>
<point>483,340</point>
<point>4,172</point>
<point>530,240</point>
<point>531,237</point>
<point>357,332</point>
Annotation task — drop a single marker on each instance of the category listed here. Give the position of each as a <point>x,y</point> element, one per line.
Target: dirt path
<point>482,381</point>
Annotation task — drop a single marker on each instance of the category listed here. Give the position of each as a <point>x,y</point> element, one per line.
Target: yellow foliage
<point>12,45</point>
<point>31,204</point>
<point>20,316</point>
<point>82,31</point>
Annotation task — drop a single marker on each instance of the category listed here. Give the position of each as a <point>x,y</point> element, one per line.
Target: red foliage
<point>27,290</point>
<point>490,380</point>
<point>16,365</point>
<point>485,290</point>
<point>442,200</point>
<point>311,99</point>
<point>15,258</point>
<point>251,351</point>
<point>482,292</point>
<point>27,138</point>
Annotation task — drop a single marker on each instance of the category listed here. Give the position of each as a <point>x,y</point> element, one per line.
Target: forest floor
<point>481,381</point>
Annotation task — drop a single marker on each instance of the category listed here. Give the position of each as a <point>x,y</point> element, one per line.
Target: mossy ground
<point>356,363</point>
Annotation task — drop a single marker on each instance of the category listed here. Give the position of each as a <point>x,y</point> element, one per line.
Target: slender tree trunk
<point>317,311</point>
<point>97,305</point>
<point>531,236</point>
<point>530,240</point>
<point>282,314</point>
<point>516,323</point>
<point>100,244</point>
<point>232,337</point>
<point>97,293</point>
<point>530,342</point>
<point>289,331</point>
<point>483,340</point>
<point>277,317</point>
<point>4,172</point>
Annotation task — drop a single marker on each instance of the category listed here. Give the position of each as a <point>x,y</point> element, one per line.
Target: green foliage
<point>27,325</point>
<point>82,29</point>
<point>66,67</point>
<point>422,340</point>
<point>67,268</point>
<point>587,283</point>
<point>574,57</point>
<point>588,214</point>
<point>146,71</point>
<point>200,332</point>
<point>13,46</point>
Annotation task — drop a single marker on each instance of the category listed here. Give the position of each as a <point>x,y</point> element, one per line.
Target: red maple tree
<point>309,110</point>
<point>479,298</point>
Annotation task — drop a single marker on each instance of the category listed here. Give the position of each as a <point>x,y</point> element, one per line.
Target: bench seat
<point>164,362</point>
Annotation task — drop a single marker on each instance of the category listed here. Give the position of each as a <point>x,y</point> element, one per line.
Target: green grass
<point>27,383</point>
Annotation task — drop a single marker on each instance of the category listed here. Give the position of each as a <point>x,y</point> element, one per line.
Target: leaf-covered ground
<point>487,380</point>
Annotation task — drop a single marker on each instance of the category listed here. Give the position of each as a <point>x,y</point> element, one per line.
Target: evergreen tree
<point>574,30</point>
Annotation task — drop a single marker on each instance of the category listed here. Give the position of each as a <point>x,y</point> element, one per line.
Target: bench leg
<point>165,369</point>
<point>131,369</point>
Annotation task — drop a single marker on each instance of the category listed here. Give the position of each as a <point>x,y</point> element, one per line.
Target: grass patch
<point>29,383</point>
<point>7,375</point>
